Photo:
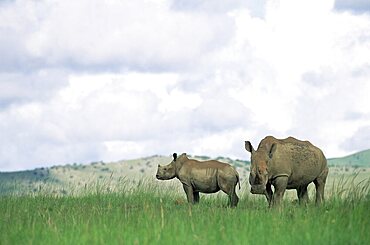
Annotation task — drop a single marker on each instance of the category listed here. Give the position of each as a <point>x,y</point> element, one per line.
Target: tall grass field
<point>156,213</point>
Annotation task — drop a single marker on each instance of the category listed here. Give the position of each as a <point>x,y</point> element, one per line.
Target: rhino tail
<point>237,176</point>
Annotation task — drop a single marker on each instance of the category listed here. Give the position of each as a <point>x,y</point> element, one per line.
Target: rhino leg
<point>280,183</point>
<point>320,186</point>
<point>228,186</point>
<point>302,194</point>
<point>234,199</point>
<point>196,197</point>
<point>189,193</point>
<point>268,194</point>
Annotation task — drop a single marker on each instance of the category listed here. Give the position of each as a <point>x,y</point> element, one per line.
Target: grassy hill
<point>73,179</point>
<point>96,176</point>
<point>359,159</point>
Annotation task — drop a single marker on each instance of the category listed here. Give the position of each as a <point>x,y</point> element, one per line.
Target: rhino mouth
<point>258,189</point>
<point>159,177</point>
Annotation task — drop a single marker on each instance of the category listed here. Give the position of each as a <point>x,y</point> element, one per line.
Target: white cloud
<point>360,138</point>
<point>90,80</point>
<point>223,141</point>
<point>290,44</point>
<point>356,6</point>
<point>178,100</point>
<point>120,34</point>
<point>116,149</point>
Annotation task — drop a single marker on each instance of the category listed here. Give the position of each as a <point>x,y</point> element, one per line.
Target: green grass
<point>158,214</point>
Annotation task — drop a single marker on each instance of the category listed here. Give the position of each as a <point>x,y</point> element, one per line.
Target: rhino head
<point>260,159</point>
<point>168,171</point>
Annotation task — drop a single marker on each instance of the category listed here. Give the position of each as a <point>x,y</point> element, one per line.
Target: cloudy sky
<point>91,80</point>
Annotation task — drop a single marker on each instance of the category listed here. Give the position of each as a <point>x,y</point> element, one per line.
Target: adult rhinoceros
<point>286,164</point>
<point>206,177</point>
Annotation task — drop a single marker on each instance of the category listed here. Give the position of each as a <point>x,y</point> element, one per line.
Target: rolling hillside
<point>359,159</point>
<point>96,176</point>
<point>112,177</point>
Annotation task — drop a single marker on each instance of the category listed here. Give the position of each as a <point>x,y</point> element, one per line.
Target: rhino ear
<point>272,150</point>
<point>174,156</point>
<point>249,147</point>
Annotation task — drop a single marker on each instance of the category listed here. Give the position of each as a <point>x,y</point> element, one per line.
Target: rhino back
<point>301,161</point>
<point>202,176</point>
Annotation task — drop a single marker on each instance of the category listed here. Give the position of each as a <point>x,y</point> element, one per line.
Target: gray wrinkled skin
<point>286,164</point>
<point>206,177</point>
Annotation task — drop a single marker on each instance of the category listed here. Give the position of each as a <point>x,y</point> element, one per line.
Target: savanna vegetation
<point>157,213</point>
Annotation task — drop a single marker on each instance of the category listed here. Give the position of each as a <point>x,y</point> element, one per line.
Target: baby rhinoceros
<point>206,177</point>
